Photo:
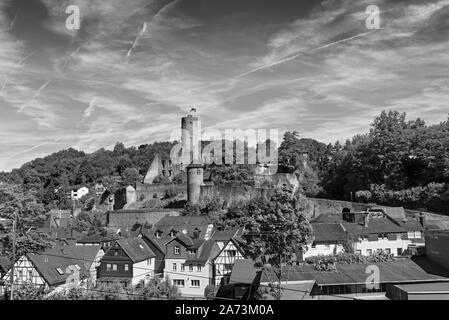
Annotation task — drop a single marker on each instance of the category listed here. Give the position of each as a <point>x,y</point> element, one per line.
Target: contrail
<point>35,147</point>
<point>145,26</point>
<point>22,61</point>
<point>141,33</point>
<point>301,53</point>
<point>36,94</point>
<point>11,25</point>
<point>79,48</point>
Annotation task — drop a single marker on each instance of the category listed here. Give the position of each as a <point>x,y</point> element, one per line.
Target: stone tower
<point>191,138</point>
<point>195,173</point>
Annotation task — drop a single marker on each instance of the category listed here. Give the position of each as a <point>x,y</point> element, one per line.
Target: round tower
<point>195,172</point>
<point>191,136</point>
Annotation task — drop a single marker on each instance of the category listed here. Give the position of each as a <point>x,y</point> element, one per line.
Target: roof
<point>226,235</point>
<point>95,238</point>
<point>136,249</point>
<point>402,270</point>
<point>375,225</point>
<point>397,213</point>
<point>183,223</point>
<point>328,232</point>
<point>62,257</point>
<point>243,271</point>
<point>327,218</point>
<point>61,233</point>
<point>424,287</point>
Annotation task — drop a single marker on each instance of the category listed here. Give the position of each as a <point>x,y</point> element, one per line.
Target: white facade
<point>191,279</point>
<point>78,194</point>
<point>367,248</point>
<point>323,250</point>
<point>225,260</point>
<point>143,271</point>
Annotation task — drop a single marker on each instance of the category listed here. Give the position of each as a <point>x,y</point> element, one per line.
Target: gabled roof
<point>183,223</point>
<point>244,271</point>
<point>136,249</point>
<point>328,232</point>
<point>61,257</point>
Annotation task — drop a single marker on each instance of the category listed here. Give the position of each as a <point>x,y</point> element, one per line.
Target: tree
<point>130,176</point>
<point>275,229</point>
<point>156,288</point>
<point>30,216</point>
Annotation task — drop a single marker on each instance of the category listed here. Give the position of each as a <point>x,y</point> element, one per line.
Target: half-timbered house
<point>57,268</point>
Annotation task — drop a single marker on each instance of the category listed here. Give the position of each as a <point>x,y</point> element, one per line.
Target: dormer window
<point>172,233</point>
<point>60,271</point>
<point>177,250</point>
<point>158,234</point>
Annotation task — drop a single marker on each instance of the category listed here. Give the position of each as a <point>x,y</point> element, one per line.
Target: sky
<point>135,67</point>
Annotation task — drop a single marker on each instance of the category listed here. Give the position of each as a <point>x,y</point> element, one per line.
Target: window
<point>183,267</point>
<point>177,250</point>
<point>174,267</point>
<point>411,234</point>
<point>358,252</point>
<point>158,234</point>
<point>398,236</point>
<point>379,251</point>
<point>417,234</point>
<point>369,252</point>
<point>114,267</point>
<point>195,283</point>
<point>108,267</point>
<point>30,274</point>
<point>198,268</point>
<point>388,251</point>
<point>149,262</point>
<point>192,251</point>
<point>126,267</point>
<point>179,283</point>
<point>313,245</point>
<point>59,271</point>
<point>115,252</point>
<point>232,253</point>
<point>190,267</point>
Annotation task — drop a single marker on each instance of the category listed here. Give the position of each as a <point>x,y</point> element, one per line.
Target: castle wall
<point>148,190</point>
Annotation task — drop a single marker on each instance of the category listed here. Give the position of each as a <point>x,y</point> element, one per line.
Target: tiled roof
<point>136,249</point>
<point>181,223</point>
<point>328,232</point>
<point>95,238</point>
<point>327,218</point>
<point>244,271</point>
<point>226,235</point>
<point>126,219</point>
<point>376,225</point>
<point>61,257</point>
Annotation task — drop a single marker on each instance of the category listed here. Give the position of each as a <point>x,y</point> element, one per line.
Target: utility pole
<point>13,254</point>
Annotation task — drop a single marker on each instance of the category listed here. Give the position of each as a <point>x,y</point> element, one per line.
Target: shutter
<point>404,236</point>
<point>373,237</point>
<point>391,236</point>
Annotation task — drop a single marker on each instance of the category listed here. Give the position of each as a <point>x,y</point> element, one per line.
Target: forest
<point>397,162</point>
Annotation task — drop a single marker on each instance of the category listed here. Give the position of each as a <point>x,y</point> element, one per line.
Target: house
<point>328,239</point>
<point>59,218</point>
<point>192,261</point>
<point>124,220</point>
<point>62,236</point>
<point>78,192</point>
<point>96,239</point>
<point>368,232</point>
<point>128,261</point>
<point>99,190</point>
<point>349,281</point>
<point>419,291</point>
<point>57,268</point>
